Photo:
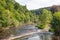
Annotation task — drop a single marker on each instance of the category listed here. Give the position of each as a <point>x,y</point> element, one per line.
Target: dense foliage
<point>14,14</point>
<point>56,23</point>
<point>45,18</point>
<point>50,17</point>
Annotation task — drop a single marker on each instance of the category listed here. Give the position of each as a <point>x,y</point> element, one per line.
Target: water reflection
<point>38,36</point>
<point>34,38</point>
<point>30,37</point>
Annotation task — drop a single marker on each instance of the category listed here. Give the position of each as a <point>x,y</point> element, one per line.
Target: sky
<point>35,4</point>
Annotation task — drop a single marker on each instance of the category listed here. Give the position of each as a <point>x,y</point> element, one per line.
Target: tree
<point>56,23</point>
<point>45,18</point>
<point>12,13</point>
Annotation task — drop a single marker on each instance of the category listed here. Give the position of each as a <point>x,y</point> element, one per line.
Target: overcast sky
<point>35,4</point>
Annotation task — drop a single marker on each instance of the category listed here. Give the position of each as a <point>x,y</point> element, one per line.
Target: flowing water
<point>35,36</point>
<point>38,36</point>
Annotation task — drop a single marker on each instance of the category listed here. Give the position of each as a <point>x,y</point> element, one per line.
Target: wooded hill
<point>14,14</point>
<point>53,9</point>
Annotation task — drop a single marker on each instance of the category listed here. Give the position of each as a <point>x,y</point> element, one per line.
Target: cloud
<point>34,4</point>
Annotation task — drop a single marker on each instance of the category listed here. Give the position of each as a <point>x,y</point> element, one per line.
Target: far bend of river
<point>36,36</point>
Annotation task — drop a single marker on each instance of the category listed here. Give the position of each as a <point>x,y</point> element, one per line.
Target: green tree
<point>56,23</point>
<point>45,18</point>
<point>12,13</point>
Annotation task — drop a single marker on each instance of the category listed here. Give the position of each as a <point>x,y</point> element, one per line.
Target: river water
<point>35,36</point>
<point>38,36</point>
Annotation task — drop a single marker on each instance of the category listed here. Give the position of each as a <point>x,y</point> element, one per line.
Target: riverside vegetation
<point>12,14</point>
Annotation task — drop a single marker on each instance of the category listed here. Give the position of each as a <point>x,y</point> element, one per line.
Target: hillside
<point>53,9</point>
<point>14,14</point>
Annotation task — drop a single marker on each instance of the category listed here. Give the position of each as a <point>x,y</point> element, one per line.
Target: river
<point>36,36</point>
